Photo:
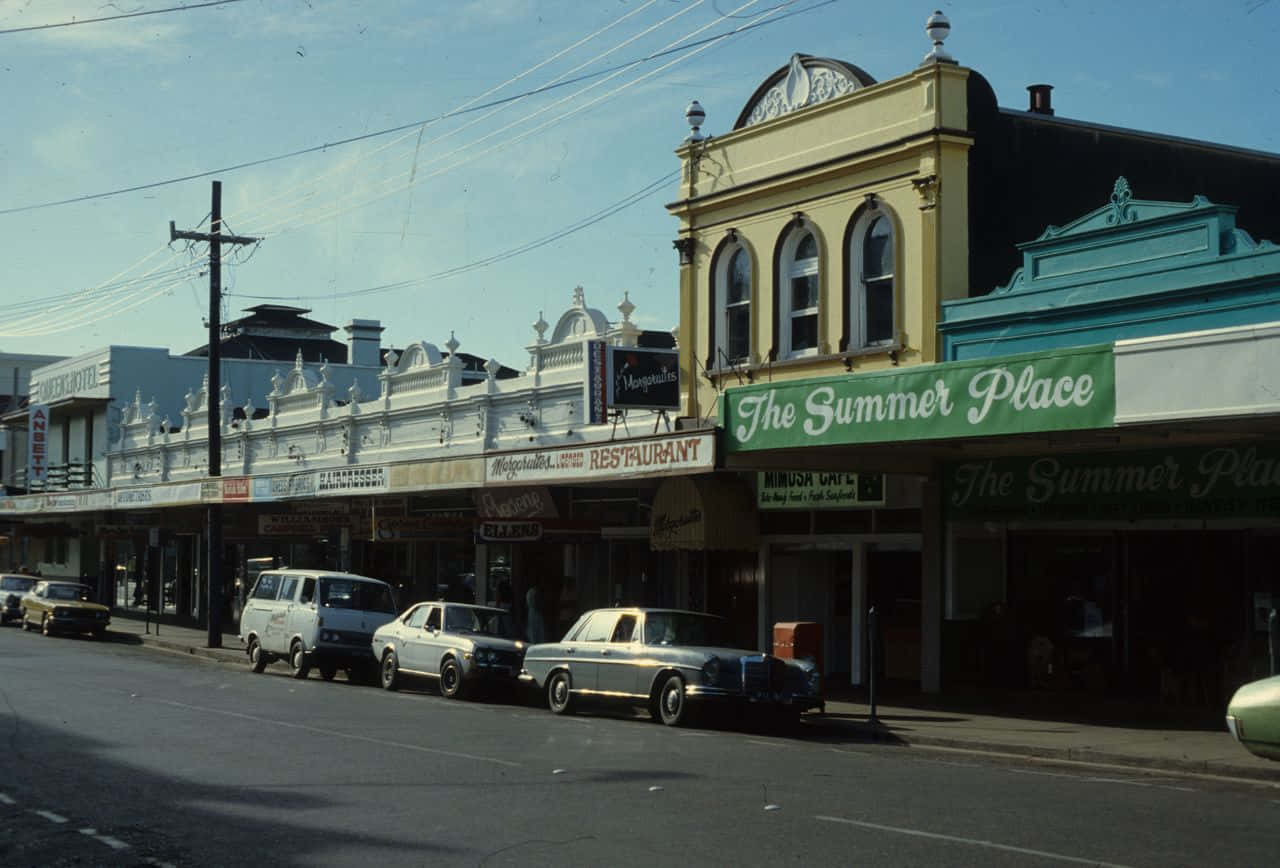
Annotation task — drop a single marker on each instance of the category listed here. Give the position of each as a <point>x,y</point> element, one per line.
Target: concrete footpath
<point>933,721</point>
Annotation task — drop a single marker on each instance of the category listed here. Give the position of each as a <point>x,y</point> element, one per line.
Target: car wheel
<point>559,694</point>
<point>451,683</point>
<point>328,672</point>
<point>672,707</point>
<point>298,661</point>
<point>46,626</point>
<point>390,671</point>
<point>257,659</point>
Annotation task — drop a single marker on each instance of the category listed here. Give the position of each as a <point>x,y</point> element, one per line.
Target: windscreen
<point>14,583</point>
<point>487,622</point>
<point>66,592</point>
<point>353,594</point>
<point>682,628</point>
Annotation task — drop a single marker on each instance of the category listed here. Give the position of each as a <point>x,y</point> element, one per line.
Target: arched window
<point>732,324</point>
<point>872,301</point>
<point>799,302</point>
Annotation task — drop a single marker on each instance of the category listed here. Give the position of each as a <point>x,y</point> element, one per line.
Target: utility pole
<point>213,572</point>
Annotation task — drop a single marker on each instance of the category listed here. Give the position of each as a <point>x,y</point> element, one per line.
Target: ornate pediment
<point>803,82</point>
<point>579,322</point>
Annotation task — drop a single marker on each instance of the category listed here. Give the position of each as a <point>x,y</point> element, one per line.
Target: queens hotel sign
<point>1065,390</point>
<point>55,386</point>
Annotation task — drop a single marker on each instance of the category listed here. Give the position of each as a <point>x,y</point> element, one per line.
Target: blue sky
<point>99,107</point>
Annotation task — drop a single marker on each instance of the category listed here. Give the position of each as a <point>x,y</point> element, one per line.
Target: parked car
<point>315,618</point>
<point>1253,717</point>
<point>666,660</point>
<point>63,607</point>
<point>12,587</point>
<point>460,645</point>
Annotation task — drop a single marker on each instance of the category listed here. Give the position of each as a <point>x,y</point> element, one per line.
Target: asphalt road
<point>117,755</point>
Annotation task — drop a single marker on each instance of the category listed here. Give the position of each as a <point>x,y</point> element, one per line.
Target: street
<point>115,754</point>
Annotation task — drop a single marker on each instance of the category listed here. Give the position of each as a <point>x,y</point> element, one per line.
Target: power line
<point>402,127</point>
<point>577,226</point>
<point>78,21</point>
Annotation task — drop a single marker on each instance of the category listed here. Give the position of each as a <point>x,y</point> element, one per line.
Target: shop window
<point>798,308</point>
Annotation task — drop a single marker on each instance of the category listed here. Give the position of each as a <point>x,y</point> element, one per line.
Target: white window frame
<point>721,325</point>
<point>792,268</point>
<point>858,284</point>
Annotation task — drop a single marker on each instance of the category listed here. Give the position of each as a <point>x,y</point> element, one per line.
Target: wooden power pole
<point>213,572</point>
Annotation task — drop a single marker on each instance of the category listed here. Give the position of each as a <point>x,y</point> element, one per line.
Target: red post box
<point>798,640</point>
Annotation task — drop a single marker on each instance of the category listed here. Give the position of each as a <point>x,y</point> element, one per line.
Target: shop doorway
<point>894,590</point>
<point>808,584</point>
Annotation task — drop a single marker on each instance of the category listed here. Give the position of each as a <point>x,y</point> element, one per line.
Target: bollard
<point>1273,641</point>
<point>873,636</point>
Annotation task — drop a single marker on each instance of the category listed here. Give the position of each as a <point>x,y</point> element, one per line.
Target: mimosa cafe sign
<point>1063,390</point>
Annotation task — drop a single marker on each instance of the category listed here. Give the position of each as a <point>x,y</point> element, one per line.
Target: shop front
<point>1145,573</point>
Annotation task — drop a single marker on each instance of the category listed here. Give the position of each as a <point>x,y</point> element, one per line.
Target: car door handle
<point>604,653</point>
<point>568,650</point>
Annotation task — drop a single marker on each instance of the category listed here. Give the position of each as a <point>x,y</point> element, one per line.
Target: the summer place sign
<point>1068,389</point>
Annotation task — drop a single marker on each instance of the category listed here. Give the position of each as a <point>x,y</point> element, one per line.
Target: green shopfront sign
<point>1196,482</point>
<point>1065,390</point>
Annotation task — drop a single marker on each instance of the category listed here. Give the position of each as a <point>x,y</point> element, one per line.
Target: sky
<point>474,219</point>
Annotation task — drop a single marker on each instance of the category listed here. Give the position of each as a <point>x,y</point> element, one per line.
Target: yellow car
<point>63,607</point>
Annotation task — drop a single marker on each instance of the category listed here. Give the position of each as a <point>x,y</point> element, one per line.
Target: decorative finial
<point>579,297</point>
<point>540,328</point>
<point>355,392</point>
<point>391,357</point>
<point>625,307</point>
<point>1121,195</point>
<point>938,28</point>
<point>452,344</point>
<point>695,117</point>
<point>297,362</point>
<point>492,367</point>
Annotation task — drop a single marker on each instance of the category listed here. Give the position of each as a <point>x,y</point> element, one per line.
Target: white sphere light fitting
<point>938,29</point>
<point>695,116</point>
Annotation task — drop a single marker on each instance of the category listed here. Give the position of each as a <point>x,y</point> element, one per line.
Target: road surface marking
<point>338,734</point>
<point>6,800</point>
<point>50,816</point>
<point>1008,848</point>
<point>113,843</point>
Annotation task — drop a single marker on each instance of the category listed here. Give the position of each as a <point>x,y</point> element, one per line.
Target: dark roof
<point>278,349</point>
<point>656,339</point>
<point>279,315</point>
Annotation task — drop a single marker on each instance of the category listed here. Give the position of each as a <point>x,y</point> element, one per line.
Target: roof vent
<point>1041,101</point>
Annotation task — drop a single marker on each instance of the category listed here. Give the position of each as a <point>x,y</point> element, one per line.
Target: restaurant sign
<point>509,531</point>
<point>1067,390</point>
<point>648,457</point>
<point>781,489</point>
<point>1190,482</point>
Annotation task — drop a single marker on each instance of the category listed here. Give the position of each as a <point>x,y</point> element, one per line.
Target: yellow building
<point>812,235</point>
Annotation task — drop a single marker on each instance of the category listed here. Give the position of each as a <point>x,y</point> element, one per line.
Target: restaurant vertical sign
<point>37,443</point>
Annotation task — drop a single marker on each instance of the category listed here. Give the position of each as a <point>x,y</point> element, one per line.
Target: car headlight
<point>711,671</point>
<point>328,636</point>
<point>484,655</point>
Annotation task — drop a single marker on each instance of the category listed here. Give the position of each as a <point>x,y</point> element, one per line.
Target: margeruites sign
<point>1070,389</point>
<point>644,379</point>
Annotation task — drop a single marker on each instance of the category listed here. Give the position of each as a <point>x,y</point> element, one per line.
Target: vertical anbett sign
<point>37,443</point>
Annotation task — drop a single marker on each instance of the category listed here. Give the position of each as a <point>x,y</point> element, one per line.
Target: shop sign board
<point>643,379</point>
<point>131,498</point>
<point>235,489</point>
<point>535,501</point>
<point>416,527</point>
<point>38,442</point>
<point>284,486</point>
<point>1184,482</point>
<point>183,492</point>
<point>51,387</point>
<point>597,382</point>
<point>299,524</point>
<point>649,457</point>
<point>783,489</point>
<point>211,490</point>
<point>1069,389</point>
<point>509,531</point>
<point>351,480</point>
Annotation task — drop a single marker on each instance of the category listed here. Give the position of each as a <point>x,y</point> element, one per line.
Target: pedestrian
<point>535,625</point>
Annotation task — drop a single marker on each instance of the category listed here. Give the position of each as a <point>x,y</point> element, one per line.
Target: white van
<point>315,618</point>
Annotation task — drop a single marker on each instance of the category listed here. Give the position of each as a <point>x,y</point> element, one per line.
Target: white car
<point>315,618</point>
<point>458,644</point>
